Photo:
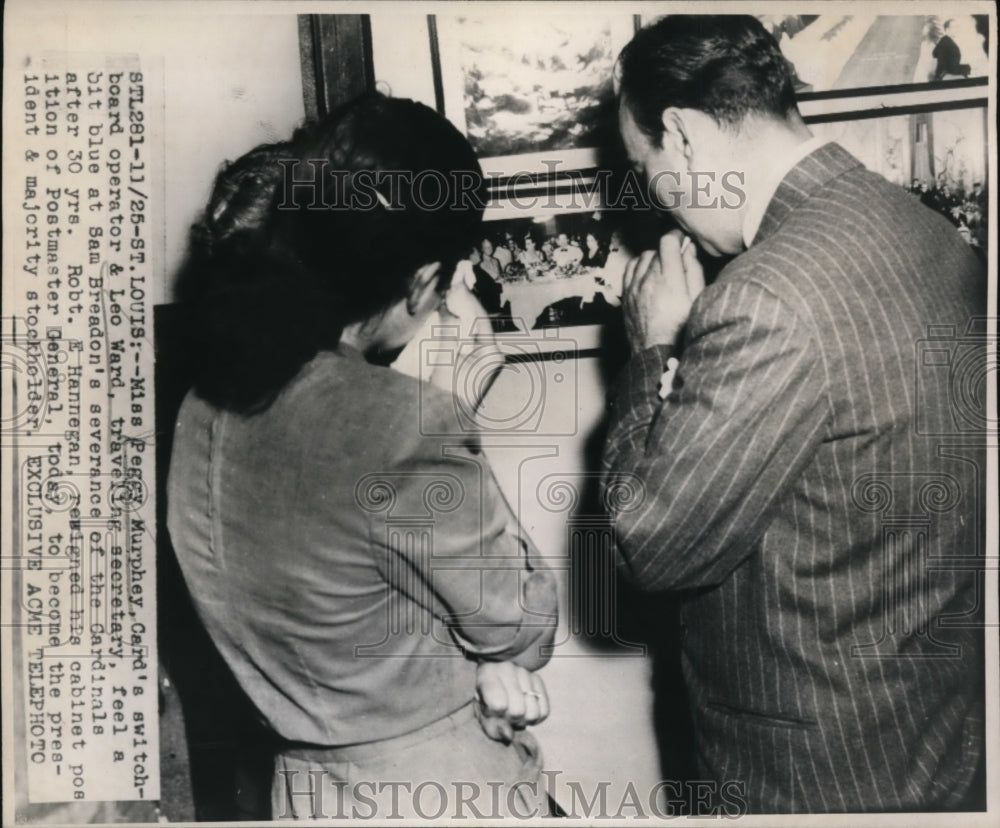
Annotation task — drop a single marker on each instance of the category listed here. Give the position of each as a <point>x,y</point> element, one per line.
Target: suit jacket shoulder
<point>840,243</point>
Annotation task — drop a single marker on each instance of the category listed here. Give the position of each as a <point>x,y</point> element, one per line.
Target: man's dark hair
<point>727,66</point>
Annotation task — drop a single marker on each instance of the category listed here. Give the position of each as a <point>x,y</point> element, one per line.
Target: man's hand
<point>659,288</point>
<point>510,698</point>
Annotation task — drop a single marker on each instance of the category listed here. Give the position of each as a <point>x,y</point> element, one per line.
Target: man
<point>949,57</point>
<point>566,254</point>
<point>793,478</point>
<point>978,196</point>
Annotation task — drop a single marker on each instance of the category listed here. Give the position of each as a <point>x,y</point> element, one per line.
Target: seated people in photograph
<point>489,293</point>
<point>617,258</point>
<point>566,254</point>
<point>548,245</point>
<point>534,263</point>
<point>503,254</point>
<point>486,290</point>
<point>488,262</point>
<point>511,247</point>
<point>299,459</point>
<point>798,445</point>
<point>594,254</point>
<point>531,256</point>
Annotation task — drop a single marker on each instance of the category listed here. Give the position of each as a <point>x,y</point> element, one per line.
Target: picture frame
<point>839,55</point>
<point>543,269</point>
<point>543,121</point>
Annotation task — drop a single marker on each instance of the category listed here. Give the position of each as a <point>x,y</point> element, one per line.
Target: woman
<point>594,254</point>
<point>531,256</point>
<point>331,515</point>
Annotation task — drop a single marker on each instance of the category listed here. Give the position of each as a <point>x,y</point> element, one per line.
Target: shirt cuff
<point>657,355</point>
<point>643,371</point>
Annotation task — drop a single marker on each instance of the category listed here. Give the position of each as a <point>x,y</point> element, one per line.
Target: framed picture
<point>840,53</point>
<point>532,92</point>
<point>528,88</point>
<point>544,269</point>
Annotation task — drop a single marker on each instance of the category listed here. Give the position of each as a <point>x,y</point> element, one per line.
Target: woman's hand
<point>477,359</point>
<point>462,303</point>
<point>510,698</point>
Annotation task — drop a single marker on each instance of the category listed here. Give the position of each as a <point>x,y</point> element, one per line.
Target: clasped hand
<point>659,288</point>
<point>509,698</point>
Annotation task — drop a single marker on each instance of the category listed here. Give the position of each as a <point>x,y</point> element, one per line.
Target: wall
<point>601,726</point>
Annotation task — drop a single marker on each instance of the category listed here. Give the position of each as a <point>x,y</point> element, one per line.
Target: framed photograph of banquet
<point>549,268</point>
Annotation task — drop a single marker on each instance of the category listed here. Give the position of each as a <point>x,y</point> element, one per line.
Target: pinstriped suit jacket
<point>809,482</point>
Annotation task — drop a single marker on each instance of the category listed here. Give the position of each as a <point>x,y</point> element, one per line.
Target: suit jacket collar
<point>809,175</point>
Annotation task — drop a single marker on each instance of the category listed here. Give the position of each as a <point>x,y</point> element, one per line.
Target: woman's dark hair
<point>304,238</point>
<point>727,66</point>
<point>594,229</point>
<point>241,197</point>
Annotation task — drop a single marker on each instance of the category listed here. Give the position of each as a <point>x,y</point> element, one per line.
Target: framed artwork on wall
<point>838,54</point>
<point>531,92</point>
<point>549,268</point>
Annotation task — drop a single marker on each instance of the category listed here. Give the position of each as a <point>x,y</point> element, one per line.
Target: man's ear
<point>423,291</point>
<point>677,133</point>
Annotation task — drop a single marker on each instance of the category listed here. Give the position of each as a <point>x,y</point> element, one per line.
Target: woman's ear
<point>423,293</point>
